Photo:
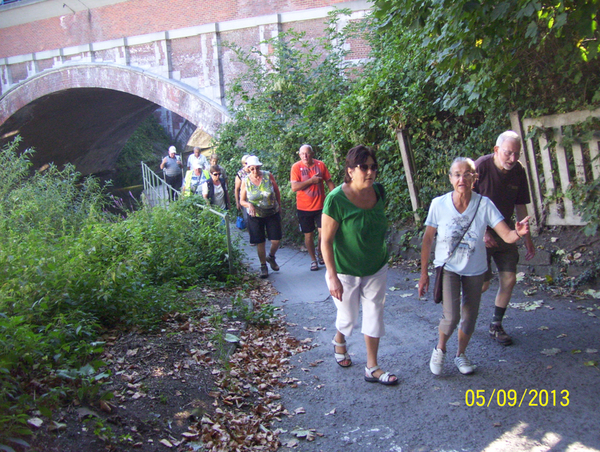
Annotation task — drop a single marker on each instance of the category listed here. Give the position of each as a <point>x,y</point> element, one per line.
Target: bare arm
<point>521,211</point>
<point>244,201</point>
<point>236,191</point>
<point>276,190</point>
<point>330,184</point>
<point>512,235</point>
<point>425,252</point>
<point>297,185</point>
<point>329,228</point>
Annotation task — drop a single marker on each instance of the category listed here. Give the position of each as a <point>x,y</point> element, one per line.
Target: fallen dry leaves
<point>247,402</point>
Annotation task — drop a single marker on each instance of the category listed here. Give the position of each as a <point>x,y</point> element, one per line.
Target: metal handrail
<point>158,192</point>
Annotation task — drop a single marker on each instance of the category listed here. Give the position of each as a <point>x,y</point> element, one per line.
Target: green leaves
<point>70,268</point>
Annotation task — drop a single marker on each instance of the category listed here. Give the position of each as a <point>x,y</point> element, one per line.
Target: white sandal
<point>341,357</point>
<point>384,378</point>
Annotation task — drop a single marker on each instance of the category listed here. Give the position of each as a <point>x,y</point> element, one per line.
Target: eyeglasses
<point>508,153</point>
<point>364,167</point>
<point>467,175</point>
<point>216,174</point>
<point>253,168</point>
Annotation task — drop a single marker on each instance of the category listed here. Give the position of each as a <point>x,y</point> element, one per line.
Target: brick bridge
<point>76,78</point>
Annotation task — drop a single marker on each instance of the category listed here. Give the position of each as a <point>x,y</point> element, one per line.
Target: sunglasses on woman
<point>364,167</point>
<point>216,174</point>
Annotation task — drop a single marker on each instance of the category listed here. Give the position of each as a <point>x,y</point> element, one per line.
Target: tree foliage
<point>531,54</point>
<point>446,73</point>
<point>284,99</point>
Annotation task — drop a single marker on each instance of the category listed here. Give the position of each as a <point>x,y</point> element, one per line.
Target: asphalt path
<point>536,395</point>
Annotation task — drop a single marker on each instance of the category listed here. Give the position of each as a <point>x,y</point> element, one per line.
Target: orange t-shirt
<point>313,196</point>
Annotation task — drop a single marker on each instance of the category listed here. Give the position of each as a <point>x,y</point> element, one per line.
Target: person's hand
<point>335,286</point>
<point>237,204</point>
<point>489,240</point>
<point>423,284</point>
<point>316,179</point>
<point>522,227</point>
<point>530,248</point>
<point>164,161</point>
<point>251,210</point>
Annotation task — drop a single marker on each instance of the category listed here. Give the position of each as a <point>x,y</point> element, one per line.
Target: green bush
<point>70,268</point>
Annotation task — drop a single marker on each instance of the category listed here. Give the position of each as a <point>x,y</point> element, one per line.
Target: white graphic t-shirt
<point>469,259</point>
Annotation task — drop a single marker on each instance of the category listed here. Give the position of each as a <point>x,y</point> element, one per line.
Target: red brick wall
<point>137,17</point>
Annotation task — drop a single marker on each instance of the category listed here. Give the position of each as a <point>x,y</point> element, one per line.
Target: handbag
<point>439,271</point>
<point>240,223</point>
<point>439,283</point>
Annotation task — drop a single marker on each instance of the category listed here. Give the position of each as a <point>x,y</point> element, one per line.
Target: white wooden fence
<point>554,162</point>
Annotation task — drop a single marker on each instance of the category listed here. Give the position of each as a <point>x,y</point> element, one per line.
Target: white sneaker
<point>464,365</point>
<point>436,363</point>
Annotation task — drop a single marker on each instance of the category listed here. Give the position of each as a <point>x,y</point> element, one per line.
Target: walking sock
<point>498,314</point>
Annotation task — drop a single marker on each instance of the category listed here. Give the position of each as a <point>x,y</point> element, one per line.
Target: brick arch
<point>170,94</point>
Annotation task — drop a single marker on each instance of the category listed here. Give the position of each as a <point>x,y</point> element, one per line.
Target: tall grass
<point>70,268</point>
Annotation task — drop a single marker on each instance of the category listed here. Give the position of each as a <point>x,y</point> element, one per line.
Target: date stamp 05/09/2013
<point>514,398</point>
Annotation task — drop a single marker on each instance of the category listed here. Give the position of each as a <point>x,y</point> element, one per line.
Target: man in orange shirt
<point>308,177</point>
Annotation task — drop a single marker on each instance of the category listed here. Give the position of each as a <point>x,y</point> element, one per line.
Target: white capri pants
<point>368,291</point>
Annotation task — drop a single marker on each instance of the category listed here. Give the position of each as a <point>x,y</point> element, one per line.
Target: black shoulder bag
<point>439,271</point>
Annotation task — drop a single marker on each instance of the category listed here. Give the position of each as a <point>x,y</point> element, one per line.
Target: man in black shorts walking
<point>502,178</point>
<point>307,177</point>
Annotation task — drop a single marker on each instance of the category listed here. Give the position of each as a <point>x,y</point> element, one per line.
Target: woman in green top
<point>355,254</point>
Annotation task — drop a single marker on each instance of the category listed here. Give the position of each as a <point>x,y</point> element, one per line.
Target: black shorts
<point>307,220</point>
<point>505,255</point>
<point>257,226</point>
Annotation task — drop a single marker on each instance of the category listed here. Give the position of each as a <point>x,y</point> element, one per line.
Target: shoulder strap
<point>465,231</point>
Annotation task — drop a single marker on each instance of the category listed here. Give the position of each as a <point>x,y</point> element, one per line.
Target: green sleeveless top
<point>262,196</point>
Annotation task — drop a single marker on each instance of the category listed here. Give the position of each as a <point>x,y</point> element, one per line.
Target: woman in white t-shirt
<point>449,216</point>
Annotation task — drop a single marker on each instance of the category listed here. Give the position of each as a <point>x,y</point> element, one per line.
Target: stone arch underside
<point>85,113</point>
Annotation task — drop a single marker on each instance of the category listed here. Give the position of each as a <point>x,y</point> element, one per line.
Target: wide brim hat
<point>253,161</point>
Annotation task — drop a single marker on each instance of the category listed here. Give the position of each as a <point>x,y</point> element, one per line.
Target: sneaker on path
<point>264,271</point>
<point>436,363</point>
<point>464,365</point>
<point>272,263</point>
<point>499,335</point>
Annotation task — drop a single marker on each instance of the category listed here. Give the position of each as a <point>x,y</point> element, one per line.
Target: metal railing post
<point>153,184</point>
<point>229,246</point>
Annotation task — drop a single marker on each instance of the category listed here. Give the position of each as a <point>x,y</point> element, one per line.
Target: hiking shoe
<point>499,335</point>
<point>436,363</point>
<point>264,271</point>
<point>464,365</point>
<point>272,263</point>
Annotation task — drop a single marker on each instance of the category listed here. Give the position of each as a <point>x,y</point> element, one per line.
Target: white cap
<point>172,149</point>
<point>253,161</point>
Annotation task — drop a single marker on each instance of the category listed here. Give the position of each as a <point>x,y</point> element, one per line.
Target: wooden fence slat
<point>553,215</point>
<point>564,176</point>
<point>555,163</point>
<point>528,161</point>
<point>579,163</point>
<point>408,161</point>
<point>595,159</point>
